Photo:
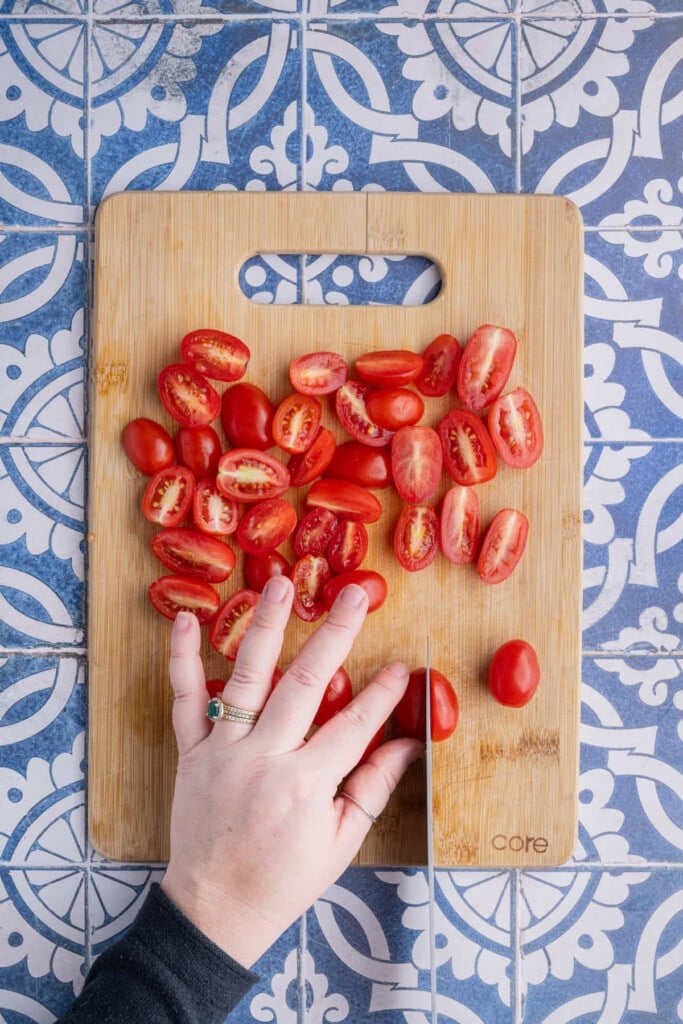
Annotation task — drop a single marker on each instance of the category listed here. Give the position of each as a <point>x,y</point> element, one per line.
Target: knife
<point>430,838</point>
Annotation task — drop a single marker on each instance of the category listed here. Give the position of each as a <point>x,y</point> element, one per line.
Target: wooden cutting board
<point>505,788</point>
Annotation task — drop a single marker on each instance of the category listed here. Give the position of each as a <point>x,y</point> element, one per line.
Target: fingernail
<point>399,670</point>
<point>276,589</point>
<point>353,596</point>
<point>182,622</point>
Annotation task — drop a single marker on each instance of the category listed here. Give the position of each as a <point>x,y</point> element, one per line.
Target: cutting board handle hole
<point>344,279</point>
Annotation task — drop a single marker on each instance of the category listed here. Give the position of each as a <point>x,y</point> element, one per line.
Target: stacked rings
<point>219,711</point>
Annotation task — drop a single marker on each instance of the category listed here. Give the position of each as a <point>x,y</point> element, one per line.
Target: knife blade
<point>430,839</point>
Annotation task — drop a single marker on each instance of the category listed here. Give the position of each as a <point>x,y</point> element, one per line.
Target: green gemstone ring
<point>218,711</point>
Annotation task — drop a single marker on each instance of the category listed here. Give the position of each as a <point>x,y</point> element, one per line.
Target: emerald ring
<point>219,711</point>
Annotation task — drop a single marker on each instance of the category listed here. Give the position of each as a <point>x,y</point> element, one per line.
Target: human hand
<point>258,831</point>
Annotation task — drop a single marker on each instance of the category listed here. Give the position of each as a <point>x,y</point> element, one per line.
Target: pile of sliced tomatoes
<point>201,492</point>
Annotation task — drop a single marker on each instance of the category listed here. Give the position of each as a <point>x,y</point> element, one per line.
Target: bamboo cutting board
<point>505,785</point>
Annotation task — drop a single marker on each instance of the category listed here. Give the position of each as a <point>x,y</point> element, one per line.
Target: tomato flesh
<point>390,368</point>
<point>187,396</point>
<point>516,429</point>
<point>247,474</point>
<point>485,365</point>
<point>148,446</point>
<point>348,546</point>
<point>173,594</point>
<point>215,354</point>
<point>410,713</point>
<point>337,695</point>
<point>318,373</point>
<point>198,448</point>
<point>247,416</point>
<point>392,408</point>
<point>258,569</point>
<point>514,673</point>
<point>353,415</point>
<point>212,512</point>
<point>468,452</point>
<point>373,583</point>
<point>191,553</point>
<point>416,537</point>
<point>459,525</point>
<point>315,532</point>
<point>305,468</point>
<point>168,496</point>
<point>231,623</point>
<point>265,526</point>
<point>346,500</point>
<point>503,545</point>
<point>416,461</point>
<point>356,462</point>
<point>309,576</point>
<point>296,423</point>
<point>440,361</point>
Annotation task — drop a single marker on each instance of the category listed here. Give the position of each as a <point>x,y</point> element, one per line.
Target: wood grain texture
<point>168,263</point>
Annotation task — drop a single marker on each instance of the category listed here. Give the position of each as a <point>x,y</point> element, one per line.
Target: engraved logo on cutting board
<point>517,844</point>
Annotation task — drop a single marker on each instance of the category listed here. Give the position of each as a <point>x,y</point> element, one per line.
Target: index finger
<point>288,715</point>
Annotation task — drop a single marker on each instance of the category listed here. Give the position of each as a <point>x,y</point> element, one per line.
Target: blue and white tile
<point>278,996</point>
<point>364,280</point>
<point>463,9</point>
<point>188,106</point>
<point>272,279</point>
<point>423,105</point>
<point>605,946</point>
<point>634,346</point>
<point>633,546</point>
<point>599,122</point>
<point>42,117</point>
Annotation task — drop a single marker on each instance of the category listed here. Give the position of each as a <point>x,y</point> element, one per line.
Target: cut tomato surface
<point>459,525</point>
<point>247,416</point>
<point>392,408</point>
<point>373,583</point>
<point>468,452</point>
<point>516,429</point>
<point>212,512</point>
<point>231,623</point>
<point>148,445</point>
<point>410,713</point>
<point>348,546</point>
<point>346,500</point>
<point>353,415</point>
<point>356,462</point>
<point>191,553</point>
<point>389,368</point>
<point>247,474</point>
<point>296,423</point>
<point>198,448</point>
<point>503,545</point>
<point>416,461</point>
<point>440,361</point>
<point>266,525</point>
<point>168,496</point>
<point>309,576</point>
<point>187,396</point>
<point>173,594</point>
<point>311,464</point>
<point>258,569</point>
<point>485,365</point>
<point>215,354</point>
<point>315,532</point>
<point>416,537</point>
<point>318,373</point>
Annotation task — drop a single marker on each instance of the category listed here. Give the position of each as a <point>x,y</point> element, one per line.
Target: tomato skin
<point>503,545</point>
<point>347,500</point>
<point>416,537</point>
<point>215,354</point>
<point>247,474</point>
<point>309,576</point>
<point>148,446</point>
<point>410,713</point>
<point>215,687</point>
<point>247,417</point>
<point>349,403</point>
<point>468,453</point>
<point>459,525</point>
<point>212,512</point>
<point>359,464</point>
<point>198,448</point>
<point>168,496</point>
<point>231,623</point>
<point>187,396</point>
<point>389,368</point>
<point>305,468</point>
<point>315,532</point>
<point>296,423</point>
<point>392,408</point>
<point>348,546</point>
<point>191,553</point>
<point>514,673</point>
<point>258,569</point>
<point>416,461</point>
<point>485,365</point>
<point>318,373</point>
<point>440,362</point>
<point>516,429</point>
<point>337,695</point>
<point>266,525</point>
<point>373,583</point>
<point>173,594</point>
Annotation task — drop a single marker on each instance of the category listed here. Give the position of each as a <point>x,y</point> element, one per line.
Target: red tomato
<point>369,467</point>
<point>296,423</point>
<point>416,461</point>
<point>247,417</point>
<point>173,594</point>
<point>315,532</point>
<point>148,446</point>
<point>168,496</point>
<point>516,429</point>
<point>392,368</point>
<point>416,537</point>
<point>187,396</point>
<point>212,512</point>
<point>246,474</point>
<point>216,354</point>
<point>337,695</point>
<point>198,448</point>
<point>346,500</point>
<point>376,741</point>
<point>392,408</point>
<point>348,546</point>
<point>304,468</point>
<point>440,359</point>
<point>485,365</point>
<point>309,576</point>
<point>503,545</point>
<point>215,687</point>
<point>459,525</point>
<point>514,673</point>
<point>265,526</point>
<point>318,373</point>
<point>411,711</point>
<point>232,622</point>
<point>373,583</point>
<point>191,553</point>
<point>259,568</point>
<point>353,415</point>
<point>469,455</point>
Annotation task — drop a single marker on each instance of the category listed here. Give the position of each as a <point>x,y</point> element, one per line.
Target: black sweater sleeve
<point>163,970</point>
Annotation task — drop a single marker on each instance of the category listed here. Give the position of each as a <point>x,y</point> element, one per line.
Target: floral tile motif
<point>414,8</point>
<point>272,279</point>
<point>42,119</point>
<point>601,945</point>
<point>424,105</point>
<point>187,107</point>
<point>599,122</point>
<point>362,280</point>
<point>631,759</point>
<point>278,996</point>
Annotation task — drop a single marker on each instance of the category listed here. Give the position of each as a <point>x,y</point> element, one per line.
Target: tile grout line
<point>303,290</point>
<point>516,994</point>
<point>517,80</point>
<point>302,1009</point>
<point>360,17</point>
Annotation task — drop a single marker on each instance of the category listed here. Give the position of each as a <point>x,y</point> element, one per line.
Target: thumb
<point>186,671</point>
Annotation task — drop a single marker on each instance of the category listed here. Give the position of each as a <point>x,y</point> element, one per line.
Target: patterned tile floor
<point>578,97</point>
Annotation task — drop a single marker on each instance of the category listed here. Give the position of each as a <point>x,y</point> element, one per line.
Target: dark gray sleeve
<point>163,970</point>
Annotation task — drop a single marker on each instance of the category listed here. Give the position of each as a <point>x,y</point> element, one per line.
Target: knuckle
<point>245,675</point>
<point>303,675</point>
<point>337,621</point>
<point>356,716</point>
<point>388,777</point>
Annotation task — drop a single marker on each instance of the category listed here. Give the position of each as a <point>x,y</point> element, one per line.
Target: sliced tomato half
<point>369,467</point>
<point>354,418</point>
<point>440,361</point>
<point>468,452</point>
<point>459,525</point>
<point>173,594</point>
<point>215,354</point>
<point>373,583</point>
<point>212,512</point>
<point>296,423</point>
<point>389,368</point>
<point>485,365</point>
<point>247,474</point>
<point>266,525</point>
<point>315,532</point>
<point>318,373</point>
<point>187,395</point>
<point>503,545</point>
<point>516,429</point>
<point>305,468</point>
<point>346,500</point>
<point>416,537</point>
<point>232,622</point>
<point>348,546</point>
<point>309,576</point>
<point>168,496</point>
<point>416,461</point>
<point>191,553</point>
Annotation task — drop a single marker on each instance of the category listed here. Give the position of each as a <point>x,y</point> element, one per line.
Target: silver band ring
<point>363,808</point>
<point>219,711</point>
